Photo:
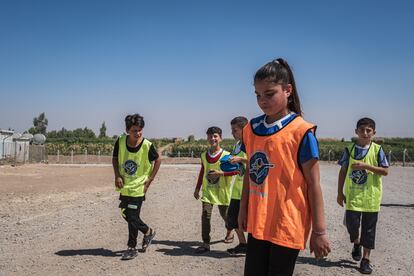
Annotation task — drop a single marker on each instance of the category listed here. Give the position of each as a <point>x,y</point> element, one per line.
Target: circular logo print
<point>259,167</point>
<point>130,167</point>
<point>359,177</point>
<point>212,179</point>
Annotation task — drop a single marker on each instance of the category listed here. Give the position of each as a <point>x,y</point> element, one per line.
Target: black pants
<point>264,258</point>
<point>368,227</point>
<point>131,209</point>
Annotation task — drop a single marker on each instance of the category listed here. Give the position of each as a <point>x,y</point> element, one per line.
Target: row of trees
<point>40,124</point>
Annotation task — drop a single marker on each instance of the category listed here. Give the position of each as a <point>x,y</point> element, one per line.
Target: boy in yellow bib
<point>362,166</point>
<point>135,162</point>
<point>215,185</point>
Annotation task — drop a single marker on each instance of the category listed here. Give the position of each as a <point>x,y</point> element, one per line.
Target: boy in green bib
<point>360,187</point>
<point>215,185</point>
<point>238,157</point>
<point>135,162</point>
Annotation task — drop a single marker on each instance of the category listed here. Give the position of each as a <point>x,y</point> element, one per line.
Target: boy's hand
<point>319,245</point>
<point>119,182</point>
<point>341,199</point>
<point>215,173</point>
<point>235,159</point>
<point>359,166</point>
<point>197,194</point>
<point>147,184</point>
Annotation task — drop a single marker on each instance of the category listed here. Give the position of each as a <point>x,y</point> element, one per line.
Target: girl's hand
<point>119,182</point>
<point>319,244</point>
<point>242,219</point>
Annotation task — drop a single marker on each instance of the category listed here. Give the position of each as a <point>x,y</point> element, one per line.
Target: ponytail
<point>278,71</point>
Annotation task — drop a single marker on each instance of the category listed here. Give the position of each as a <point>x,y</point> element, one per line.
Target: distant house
<point>13,146</point>
<point>6,139</point>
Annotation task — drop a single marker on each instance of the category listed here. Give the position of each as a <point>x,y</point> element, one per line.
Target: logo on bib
<point>130,167</point>
<point>359,177</point>
<point>259,167</point>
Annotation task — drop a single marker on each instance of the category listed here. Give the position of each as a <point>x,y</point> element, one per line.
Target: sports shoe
<point>357,252</point>
<point>365,266</point>
<point>147,239</point>
<point>241,248</point>
<point>129,254</point>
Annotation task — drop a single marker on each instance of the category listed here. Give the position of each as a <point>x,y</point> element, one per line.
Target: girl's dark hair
<point>239,121</point>
<point>134,120</point>
<point>279,72</point>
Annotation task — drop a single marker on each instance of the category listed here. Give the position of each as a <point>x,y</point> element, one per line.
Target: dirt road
<point>64,220</point>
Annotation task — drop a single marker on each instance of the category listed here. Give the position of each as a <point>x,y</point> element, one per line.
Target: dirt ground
<point>63,220</point>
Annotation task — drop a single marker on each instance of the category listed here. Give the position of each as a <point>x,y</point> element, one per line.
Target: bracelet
<point>319,233</point>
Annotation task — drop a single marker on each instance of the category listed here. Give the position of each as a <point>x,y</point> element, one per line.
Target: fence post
<point>404,153</point>
<point>99,157</point>
<point>329,156</point>
<point>58,156</point>
<point>389,157</point>
<point>178,154</point>
<point>192,154</point>
<point>71,156</point>
<point>86,156</point>
<point>15,152</point>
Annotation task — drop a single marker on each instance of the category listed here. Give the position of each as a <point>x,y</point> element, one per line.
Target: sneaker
<point>241,248</point>
<point>146,241</point>
<point>365,267</point>
<point>357,252</point>
<point>129,254</point>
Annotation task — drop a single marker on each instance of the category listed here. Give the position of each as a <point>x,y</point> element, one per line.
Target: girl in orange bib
<point>282,198</point>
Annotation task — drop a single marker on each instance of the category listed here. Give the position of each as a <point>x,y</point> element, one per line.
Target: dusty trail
<point>64,220</point>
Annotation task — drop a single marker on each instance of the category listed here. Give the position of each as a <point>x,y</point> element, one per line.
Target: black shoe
<point>129,254</point>
<point>365,267</point>
<point>241,248</point>
<point>357,252</point>
<point>146,241</point>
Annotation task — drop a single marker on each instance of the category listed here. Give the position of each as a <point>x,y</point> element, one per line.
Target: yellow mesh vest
<point>215,193</point>
<point>135,168</point>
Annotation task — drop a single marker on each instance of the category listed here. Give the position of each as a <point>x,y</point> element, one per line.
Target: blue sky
<point>187,65</point>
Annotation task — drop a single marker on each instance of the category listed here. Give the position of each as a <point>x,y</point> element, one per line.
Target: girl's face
<point>272,98</point>
<point>237,132</point>
<point>135,133</point>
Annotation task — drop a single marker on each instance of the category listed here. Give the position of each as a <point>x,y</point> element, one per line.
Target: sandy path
<point>61,220</point>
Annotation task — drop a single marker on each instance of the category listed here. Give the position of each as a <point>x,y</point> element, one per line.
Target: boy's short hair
<point>134,120</point>
<point>214,129</point>
<point>239,121</point>
<point>366,122</point>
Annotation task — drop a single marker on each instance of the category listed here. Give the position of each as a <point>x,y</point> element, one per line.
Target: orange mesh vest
<point>278,209</point>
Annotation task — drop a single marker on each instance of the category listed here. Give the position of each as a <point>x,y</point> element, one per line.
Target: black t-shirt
<point>152,153</point>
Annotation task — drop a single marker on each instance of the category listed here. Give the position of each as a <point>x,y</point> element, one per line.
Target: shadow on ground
<point>327,262</point>
<point>397,205</point>
<point>188,248</point>
<point>89,252</point>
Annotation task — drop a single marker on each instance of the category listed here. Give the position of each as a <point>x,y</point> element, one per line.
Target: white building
<point>13,146</point>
